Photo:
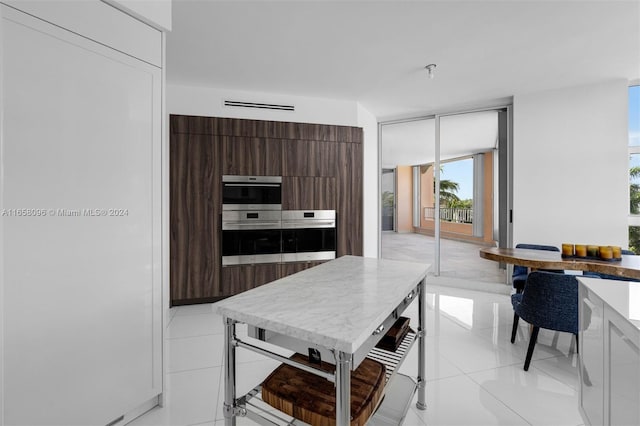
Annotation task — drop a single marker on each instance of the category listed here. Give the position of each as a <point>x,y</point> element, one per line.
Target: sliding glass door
<point>446,198</point>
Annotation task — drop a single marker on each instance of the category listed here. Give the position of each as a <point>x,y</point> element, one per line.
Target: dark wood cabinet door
<point>356,209</point>
<point>308,193</point>
<point>239,278</point>
<point>297,193</point>
<point>247,156</point>
<point>286,269</point>
<point>195,253</point>
<point>309,158</point>
<point>349,200</point>
<point>324,193</point>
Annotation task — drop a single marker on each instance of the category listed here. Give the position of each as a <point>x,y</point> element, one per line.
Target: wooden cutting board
<point>312,399</point>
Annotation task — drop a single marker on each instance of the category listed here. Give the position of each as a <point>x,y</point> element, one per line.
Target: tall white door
<point>80,196</point>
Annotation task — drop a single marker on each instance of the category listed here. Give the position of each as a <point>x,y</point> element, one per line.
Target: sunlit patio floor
<point>460,262</point>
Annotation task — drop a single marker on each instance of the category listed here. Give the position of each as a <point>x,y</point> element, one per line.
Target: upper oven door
<point>292,219</point>
<point>251,192</point>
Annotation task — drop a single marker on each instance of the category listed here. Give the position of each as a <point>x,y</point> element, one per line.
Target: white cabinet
<point>609,352</point>
<point>80,195</point>
<point>591,373</point>
<point>622,359</point>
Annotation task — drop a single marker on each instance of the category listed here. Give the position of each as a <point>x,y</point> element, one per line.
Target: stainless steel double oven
<point>308,235</point>
<point>255,229</point>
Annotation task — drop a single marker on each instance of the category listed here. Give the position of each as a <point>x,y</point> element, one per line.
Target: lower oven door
<point>307,244</point>
<point>246,246</point>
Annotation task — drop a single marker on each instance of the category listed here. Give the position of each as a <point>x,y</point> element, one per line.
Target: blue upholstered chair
<point>550,301</point>
<point>520,273</point>
<point>608,276</point>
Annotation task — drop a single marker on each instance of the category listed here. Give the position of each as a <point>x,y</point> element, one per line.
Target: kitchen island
<point>342,307</point>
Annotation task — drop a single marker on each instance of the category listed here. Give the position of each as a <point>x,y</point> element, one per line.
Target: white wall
<point>371,193</point>
<point>570,165</point>
<point>204,101</point>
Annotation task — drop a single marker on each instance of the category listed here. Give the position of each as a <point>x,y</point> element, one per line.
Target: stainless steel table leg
<point>343,389</point>
<point>421,404</point>
<point>229,409</point>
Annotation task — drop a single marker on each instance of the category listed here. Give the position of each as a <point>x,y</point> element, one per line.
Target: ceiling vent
<point>259,106</point>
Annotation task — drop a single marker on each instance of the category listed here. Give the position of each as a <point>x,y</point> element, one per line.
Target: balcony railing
<point>450,214</point>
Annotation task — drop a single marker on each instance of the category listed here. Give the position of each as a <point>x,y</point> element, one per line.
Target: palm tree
<point>448,191</point>
<point>448,188</point>
<point>634,208</point>
<point>634,190</point>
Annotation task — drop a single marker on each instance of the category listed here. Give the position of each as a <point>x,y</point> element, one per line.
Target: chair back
<point>550,301</point>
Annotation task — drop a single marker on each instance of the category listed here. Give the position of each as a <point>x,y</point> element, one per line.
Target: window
<point>634,168</point>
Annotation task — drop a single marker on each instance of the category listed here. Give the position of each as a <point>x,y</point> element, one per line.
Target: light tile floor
<point>474,374</point>
<point>460,262</point>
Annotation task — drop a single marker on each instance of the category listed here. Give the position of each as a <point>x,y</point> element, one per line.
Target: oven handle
<point>302,224</point>
<point>272,185</point>
<point>234,226</point>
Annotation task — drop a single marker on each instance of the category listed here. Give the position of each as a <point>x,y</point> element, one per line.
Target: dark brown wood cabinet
<point>349,200</point>
<point>308,193</point>
<point>285,269</point>
<point>239,278</point>
<point>246,156</point>
<point>309,158</point>
<point>321,166</point>
<point>325,193</point>
<point>195,253</point>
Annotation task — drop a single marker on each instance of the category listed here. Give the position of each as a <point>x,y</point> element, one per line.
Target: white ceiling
<point>374,52</point>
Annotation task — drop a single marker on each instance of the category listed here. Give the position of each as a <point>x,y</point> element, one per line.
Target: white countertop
<point>337,305</point>
<point>622,296</point>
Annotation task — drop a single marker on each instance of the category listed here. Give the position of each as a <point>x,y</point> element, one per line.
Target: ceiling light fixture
<point>430,69</point>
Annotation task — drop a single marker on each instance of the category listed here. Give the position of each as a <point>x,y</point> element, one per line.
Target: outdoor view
<point>634,165</point>
<point>456,186</point>
<point>462,217</point>
<point>456,193</point>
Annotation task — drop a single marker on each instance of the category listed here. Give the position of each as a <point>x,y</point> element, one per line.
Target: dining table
<point>626,267</point>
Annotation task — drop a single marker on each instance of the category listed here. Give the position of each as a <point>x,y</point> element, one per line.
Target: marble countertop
<point>337,304</point>
<point>621,296</point>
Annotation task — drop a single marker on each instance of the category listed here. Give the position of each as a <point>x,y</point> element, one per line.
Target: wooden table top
<point>628,267</point>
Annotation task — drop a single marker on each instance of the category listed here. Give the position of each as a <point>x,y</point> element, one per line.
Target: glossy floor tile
<point>474,373</point>
<point>461,401</point>
<point>539,398</point>
<point>458,260</point>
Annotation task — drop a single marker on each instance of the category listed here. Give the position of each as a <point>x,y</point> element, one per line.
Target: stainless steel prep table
<point>341,307</point>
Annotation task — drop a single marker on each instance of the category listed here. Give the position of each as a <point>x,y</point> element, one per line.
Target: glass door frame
<point>394,207</point>
<point>506,176</point>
